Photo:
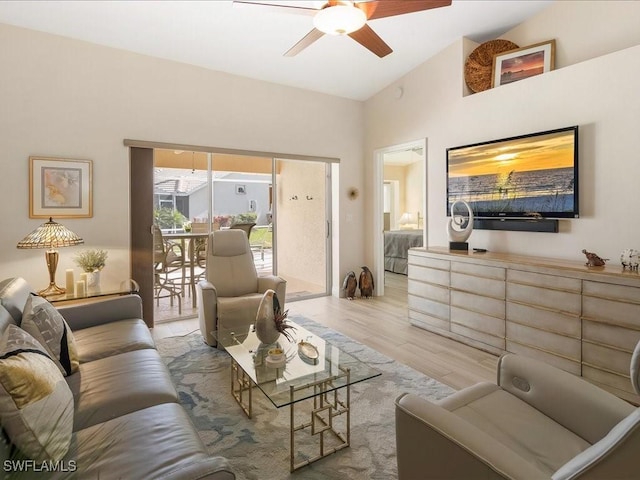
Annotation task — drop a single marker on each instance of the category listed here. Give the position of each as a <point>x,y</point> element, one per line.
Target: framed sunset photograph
<point>526,62</point>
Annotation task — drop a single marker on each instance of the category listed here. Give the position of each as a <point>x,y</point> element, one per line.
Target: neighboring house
<point>68,98</point>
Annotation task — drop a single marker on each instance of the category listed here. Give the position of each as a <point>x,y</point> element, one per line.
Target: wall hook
<point>309,198</point>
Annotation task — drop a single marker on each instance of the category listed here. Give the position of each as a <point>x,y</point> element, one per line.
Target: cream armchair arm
<point>207,298</point>
<point>574,403</point>
<point>433,443</point>
<point>279,285</point>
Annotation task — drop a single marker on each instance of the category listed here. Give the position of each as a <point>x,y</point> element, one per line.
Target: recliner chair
<point>232,291</point>
<point>538,422</point>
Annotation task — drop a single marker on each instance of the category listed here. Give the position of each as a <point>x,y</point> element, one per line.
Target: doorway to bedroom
<point>399,211</point>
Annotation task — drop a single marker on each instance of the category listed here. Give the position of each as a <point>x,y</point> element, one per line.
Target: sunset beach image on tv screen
<point>533,175</point>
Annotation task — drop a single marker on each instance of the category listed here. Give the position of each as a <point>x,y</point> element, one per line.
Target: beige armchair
<point>232,291</point>
<point>538,422</point>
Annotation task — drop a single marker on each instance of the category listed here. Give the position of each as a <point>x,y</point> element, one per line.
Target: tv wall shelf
<point>585,320</point>
<point>516,225</point>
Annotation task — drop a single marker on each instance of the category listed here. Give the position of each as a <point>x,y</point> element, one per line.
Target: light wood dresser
<point>585,320</point>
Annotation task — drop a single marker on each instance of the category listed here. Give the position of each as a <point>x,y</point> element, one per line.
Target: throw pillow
<point>36,404</point>
<point>45,324</point>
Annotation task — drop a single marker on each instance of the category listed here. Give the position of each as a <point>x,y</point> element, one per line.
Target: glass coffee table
<point>317,371</point>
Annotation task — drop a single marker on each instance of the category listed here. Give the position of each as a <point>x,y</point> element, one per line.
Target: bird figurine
<point>350,284</point>
<point>366,283</point>
<point>594,260</point>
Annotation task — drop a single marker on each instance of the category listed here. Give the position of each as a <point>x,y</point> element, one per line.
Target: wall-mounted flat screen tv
<point>534,175</point>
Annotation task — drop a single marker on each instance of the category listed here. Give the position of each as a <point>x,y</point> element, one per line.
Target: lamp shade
<point>339,19</point>
<point>50,235</point>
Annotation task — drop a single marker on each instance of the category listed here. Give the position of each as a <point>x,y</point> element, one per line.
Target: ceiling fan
<point>350,18</point>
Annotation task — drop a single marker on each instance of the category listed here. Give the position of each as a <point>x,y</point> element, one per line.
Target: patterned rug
<point>258,448</point>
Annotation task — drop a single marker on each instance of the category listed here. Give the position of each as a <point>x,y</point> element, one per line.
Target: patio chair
<point>168,258</point>
<point>232,291</point>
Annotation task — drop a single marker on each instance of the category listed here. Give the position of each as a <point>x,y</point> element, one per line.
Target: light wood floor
<point>382,324</point>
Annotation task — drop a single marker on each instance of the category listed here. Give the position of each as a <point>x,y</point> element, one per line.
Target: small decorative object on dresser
<point>594,260</point>
<point>459,227</point>
<point>630,258</point>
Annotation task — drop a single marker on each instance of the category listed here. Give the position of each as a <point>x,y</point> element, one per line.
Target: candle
<point>80,288</point>
<point>83,277</point>
<point>70,282</point>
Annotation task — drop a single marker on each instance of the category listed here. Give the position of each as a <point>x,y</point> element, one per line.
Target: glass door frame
<point>328,212</point>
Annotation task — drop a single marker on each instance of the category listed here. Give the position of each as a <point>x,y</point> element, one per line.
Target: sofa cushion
<point>120,384</point>
<point>36,405</point>
<point>112,338</point>
<point>5,319</point>
<point>158,442</point>
<point>13,295</point>
<point>547,444</point>
<point>45,324</point>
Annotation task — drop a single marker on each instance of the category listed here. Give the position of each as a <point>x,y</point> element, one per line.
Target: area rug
<point>258,448</point>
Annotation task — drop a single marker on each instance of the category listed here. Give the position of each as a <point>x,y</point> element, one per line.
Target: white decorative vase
<point>265,325</point>
<point>93,280</point>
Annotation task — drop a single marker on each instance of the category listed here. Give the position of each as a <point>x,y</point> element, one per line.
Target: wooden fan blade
<point>307,40</point>
<point>278,8</point>
<point>370,40</point>
<point>390,8</point>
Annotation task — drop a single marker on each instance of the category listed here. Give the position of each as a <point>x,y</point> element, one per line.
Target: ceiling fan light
<point>339,19</point>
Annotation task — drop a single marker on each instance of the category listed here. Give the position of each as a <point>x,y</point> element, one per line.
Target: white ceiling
<point>250,41</point>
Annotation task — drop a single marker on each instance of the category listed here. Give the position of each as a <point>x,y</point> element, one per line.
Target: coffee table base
<point>326,406</point>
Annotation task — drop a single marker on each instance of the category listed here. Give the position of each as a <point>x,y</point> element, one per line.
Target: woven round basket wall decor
<point>477,68</point>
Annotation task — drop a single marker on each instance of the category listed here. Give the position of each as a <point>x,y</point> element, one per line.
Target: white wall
<point>65,98</point>
<point>599,93</point>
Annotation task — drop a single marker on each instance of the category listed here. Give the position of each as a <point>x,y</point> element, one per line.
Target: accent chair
<point>232,290</point>
<point>538,422</point>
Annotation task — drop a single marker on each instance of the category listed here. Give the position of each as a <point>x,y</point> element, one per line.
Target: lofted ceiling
<point>250,41</point>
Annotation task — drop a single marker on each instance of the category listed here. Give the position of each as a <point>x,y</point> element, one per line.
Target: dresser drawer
<point>431,275</point>
<point>557,300</point>
<point>428,291</point>
<point>610,335</point>
<point>484,271</point>
<point>481,286</point>
<point>422,261</point>
<point>427,322</point>
<point>611,292</point>
<point>611,311</point>
<point>606,358</point>
<point>477,303</point>
<point>544,319</point>
<point>548,341</point>
<point>621,382</point>
<point>485,338</point>
<point>531,352</point>
<point>545,281</point>
<point>479,322</point>
<point>435,309</point>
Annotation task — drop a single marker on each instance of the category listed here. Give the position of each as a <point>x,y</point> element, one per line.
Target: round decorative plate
<point>308,351</point>
<point>477,68</point>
